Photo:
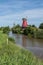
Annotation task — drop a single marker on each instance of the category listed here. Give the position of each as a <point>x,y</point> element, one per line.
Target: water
<point>33,45</point>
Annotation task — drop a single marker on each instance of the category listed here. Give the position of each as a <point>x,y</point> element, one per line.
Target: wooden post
<point>7,41</point>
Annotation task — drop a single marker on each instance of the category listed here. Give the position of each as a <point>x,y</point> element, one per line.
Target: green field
<point>10,54</point>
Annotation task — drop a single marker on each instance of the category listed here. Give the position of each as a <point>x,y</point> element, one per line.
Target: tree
<point>41,26</point>
<point>16,29</point>
<point>6,29</point>
<point>33,26</point>
<point>27,30</point>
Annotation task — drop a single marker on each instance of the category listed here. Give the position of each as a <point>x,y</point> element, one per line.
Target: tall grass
<point>13,55</point>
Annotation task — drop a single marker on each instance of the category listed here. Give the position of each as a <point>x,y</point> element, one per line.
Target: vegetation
<point>10,54</point>
<point>39,34</point>
<point>41,26</point>
<point>31,31</point>
<point>11,39</point>
<point>16,29</point>
<point>1,28</point>
<point>6,29</point>
<point>34,26</point>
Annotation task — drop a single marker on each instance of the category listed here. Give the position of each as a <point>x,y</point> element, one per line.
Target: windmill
<point>24,23</point>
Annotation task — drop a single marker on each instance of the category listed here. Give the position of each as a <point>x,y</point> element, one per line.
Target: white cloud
<point>33,15</point>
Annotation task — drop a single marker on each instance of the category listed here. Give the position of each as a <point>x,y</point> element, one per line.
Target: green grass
<point>3,38</point>
<point>10,54</point>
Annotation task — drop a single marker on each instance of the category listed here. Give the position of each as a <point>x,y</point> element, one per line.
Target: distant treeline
<point>31,30</point>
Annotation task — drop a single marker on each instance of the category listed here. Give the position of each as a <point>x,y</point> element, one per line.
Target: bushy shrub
<point>41,26</point>
<point>11,39</point>
<point>16,29</point>
<point>39,34</point>
<point>1,28</point>
<point>27,30</point>
<point>6,29</point>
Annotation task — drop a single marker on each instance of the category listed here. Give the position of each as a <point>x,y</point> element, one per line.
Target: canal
<point>33,45</point>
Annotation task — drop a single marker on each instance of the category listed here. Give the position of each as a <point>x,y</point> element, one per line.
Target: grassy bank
<point>10,54</point>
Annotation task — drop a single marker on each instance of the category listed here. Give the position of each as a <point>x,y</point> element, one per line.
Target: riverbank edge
<point>13,52</point>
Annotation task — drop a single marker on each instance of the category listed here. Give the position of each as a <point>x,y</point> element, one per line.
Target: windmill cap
<point>24,19</point>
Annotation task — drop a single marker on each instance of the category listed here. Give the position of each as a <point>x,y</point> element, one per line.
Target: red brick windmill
<point>24,24</point>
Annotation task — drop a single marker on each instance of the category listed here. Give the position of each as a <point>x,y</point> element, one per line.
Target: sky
<point>12,12</point>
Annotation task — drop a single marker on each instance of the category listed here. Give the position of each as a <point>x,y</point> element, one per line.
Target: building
<point>24,23</point>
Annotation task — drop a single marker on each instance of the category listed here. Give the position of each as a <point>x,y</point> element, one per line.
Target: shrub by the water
<point>16,29</point>
<point>39,34</point>
<point>27,30</point>
<point>31,31</point>
<point>6,29</point>
<point>41,26</point>
<point>11,39</point>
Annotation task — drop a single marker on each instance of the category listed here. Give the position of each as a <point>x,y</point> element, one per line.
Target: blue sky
<point>12,12</point>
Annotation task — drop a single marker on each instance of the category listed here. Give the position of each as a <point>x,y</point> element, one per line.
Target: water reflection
<point>34,45</point>
<point>24,41</point>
